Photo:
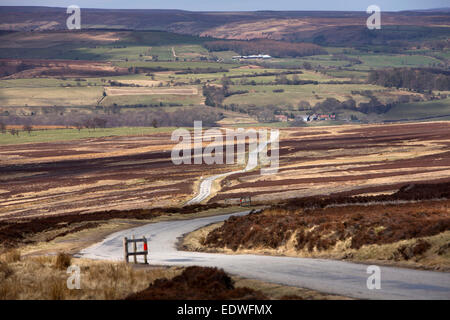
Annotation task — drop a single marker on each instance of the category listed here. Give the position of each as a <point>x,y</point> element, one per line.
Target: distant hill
<point>275,25</point>
<point>433,10</point>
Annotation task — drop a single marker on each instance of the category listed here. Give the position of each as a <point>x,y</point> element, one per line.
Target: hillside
<point>277,25</point>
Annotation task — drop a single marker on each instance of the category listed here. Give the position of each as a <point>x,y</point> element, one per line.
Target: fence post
<point>145,250</point>
<point>125,249</point>
<point>134,250</point>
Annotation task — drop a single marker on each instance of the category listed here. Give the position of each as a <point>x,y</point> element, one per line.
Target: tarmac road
<point>329,276</point>
<point>206,184</point>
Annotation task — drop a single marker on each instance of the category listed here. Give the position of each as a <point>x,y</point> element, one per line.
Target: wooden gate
<point>134,252</point>
<point>246,201</point>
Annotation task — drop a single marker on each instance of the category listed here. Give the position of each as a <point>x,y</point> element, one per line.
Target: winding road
<point>206,184</point>
<point>329,276</point>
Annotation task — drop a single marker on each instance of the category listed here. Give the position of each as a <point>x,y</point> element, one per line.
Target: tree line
<point>14,131</point>
<point>183,117</point>
<point>279,49</point>
<point>413,79</point>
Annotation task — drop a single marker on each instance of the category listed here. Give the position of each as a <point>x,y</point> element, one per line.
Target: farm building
<point>281,118</point>
<point>259,56</point>
<point>321,117</point>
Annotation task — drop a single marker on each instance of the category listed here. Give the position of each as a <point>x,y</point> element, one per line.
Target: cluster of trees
<point>236,108</point>
<point>54,72</point>
<point>10,67</point>
<point>414,79</point>
<point>116,108</point>
<point>437,44</point>
<point>265,114</point>
<point>137,70</point>
<point>280,79</point>
<point>202,70</point>
<point>274,48</point>
<point>374,106</point>
<point>183,117</point>
<point>14,131</point>
<point>265,74</point>
<point>332,105</point>
<point>295,81</point>
<point>114,83</point>
<point>28,128</point>
<point>91,123</point>
<point>214,95</point>
<point>233,93</point>
<point>2,127</point>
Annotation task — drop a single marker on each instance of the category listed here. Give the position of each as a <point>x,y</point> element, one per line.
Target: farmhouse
<point>321,117</point>
<point>259,56</point>
<point>281,118</point>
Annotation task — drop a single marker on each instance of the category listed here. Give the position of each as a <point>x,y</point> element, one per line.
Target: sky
<point>239,5</point>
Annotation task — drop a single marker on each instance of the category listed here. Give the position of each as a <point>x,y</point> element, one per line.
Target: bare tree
<point>99,122</point>
<point>89,124</point>
<point>2,127</point>
<point>78,125</point>
<point>28,128</point>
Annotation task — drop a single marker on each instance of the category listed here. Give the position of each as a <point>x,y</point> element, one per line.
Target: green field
<point>420,110</point>
<point>176,61</point>
<point>51,96</point>
<point>51,135</point>
<point>292,95</point>
<point>73,82</point>
<point>399,61</point>
<point>152,99</point>
<point>88,45</point>
<point>177,65</point>
<point>315,61</point>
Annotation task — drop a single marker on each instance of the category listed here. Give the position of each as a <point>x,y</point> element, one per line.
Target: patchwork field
<point>292,95</point>
<point>92,71</point>
<point>87,117</point>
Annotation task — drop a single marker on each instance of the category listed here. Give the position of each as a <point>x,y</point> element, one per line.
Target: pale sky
<point>239,5</point>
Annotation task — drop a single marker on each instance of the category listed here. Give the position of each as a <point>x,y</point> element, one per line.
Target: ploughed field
<point>348,160</point>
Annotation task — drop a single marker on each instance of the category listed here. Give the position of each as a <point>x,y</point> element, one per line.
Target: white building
<point>259,56</point>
